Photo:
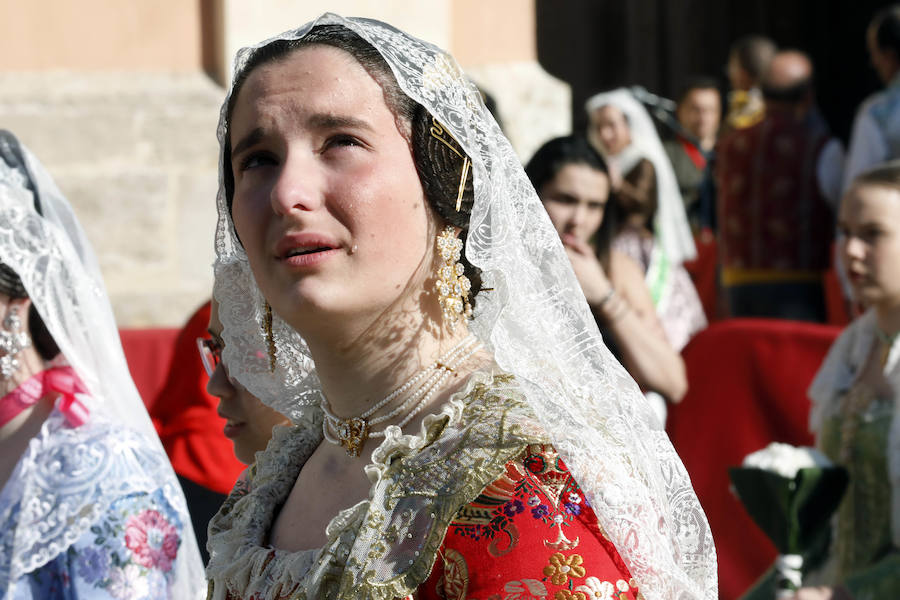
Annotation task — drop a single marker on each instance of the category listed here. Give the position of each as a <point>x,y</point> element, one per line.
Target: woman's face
<point>327,201</point>
<point>249,422</point>
<point>869,227</point>
<point>575,200</point>
<point>884,62</point>
<point>609,129</point>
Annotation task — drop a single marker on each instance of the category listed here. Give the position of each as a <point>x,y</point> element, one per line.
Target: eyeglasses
<point>210,354</point>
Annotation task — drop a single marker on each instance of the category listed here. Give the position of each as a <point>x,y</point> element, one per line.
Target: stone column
<point>111,97</point>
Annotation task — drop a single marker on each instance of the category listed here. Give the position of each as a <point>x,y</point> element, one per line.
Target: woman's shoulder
<point>86,471</point>
<point>853,343</point>
<point>838,370</point>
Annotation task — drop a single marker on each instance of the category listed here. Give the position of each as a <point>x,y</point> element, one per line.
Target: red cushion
<point>747,387</point>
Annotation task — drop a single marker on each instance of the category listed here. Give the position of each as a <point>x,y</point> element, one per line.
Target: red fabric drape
<point>148,353</point>
<point>703,274</point>
<point>747,387</point>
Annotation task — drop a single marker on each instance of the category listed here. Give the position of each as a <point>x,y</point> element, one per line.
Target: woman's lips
<point>305,249</point>
<point>855,277</point>
<point>232,430</point>
<point>308,258</point>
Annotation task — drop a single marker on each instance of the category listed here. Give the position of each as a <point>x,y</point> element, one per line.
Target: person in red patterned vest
<point>775,222</point>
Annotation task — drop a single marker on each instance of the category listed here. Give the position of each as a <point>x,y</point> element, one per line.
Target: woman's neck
<point>887,317</point>
<point>357,370</point>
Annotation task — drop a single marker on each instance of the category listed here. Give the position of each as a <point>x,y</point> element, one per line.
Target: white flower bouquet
<point>790,493</point>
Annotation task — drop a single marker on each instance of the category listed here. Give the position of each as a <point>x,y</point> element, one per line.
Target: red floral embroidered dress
<point>530,534</point>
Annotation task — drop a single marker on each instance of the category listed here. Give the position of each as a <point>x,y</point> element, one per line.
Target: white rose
<point>786,460</point>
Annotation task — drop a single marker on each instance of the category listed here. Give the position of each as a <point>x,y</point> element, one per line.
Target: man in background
<point>699,113</point>
<point>775,222</point>
<point>876,129</point>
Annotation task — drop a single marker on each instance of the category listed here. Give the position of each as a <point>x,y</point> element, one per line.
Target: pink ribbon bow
<point>61,380</point>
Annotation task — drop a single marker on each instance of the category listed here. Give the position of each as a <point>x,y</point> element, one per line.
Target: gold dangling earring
<point>452,285</point>
<point>270,339</point>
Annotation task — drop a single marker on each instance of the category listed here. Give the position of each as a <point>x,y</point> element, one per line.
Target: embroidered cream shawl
<point>383,547</point>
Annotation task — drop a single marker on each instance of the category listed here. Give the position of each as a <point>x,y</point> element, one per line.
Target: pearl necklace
<point>352,433</point>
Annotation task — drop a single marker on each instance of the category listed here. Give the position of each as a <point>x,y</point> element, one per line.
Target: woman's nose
<point>579,213</point>
<point>219,385</point>
<point>297,186</point>
<point>854,247</point>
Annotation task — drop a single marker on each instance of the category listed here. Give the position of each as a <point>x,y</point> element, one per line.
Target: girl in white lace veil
<point>80,462</point>
<point>534,321</point>
<point>671,224</point>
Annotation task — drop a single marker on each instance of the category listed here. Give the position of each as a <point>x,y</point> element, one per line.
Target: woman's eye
<point>870,234</point>
<point>256,160</point>
<point>341,141</point>
<point>560,199</point>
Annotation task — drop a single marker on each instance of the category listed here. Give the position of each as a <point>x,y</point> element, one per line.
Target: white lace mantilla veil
<point>68,477</point>
<point>671,224</point>
<point>537,324</point>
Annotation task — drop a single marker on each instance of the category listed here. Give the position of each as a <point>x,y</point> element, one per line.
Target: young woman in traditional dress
<point>388,279</point>
<point>89,505</point>
<point>856,399</point>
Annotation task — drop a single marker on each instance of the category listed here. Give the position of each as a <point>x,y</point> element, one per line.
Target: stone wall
<point>534,106</point>
<point>136,155</point>
<point>112,98</point>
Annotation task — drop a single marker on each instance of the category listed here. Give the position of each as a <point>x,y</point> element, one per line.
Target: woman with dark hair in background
<point>573,183</point>
<point>89,506</point>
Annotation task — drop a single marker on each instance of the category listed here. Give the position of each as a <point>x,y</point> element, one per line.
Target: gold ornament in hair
<point>270,339</point>
<point>452,285</point>
<point>438,132</point>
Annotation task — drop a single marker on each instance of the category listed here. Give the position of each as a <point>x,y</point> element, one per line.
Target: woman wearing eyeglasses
<point>249,422</point>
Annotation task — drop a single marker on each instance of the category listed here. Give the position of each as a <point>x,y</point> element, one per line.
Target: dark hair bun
<point>440,160</point>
